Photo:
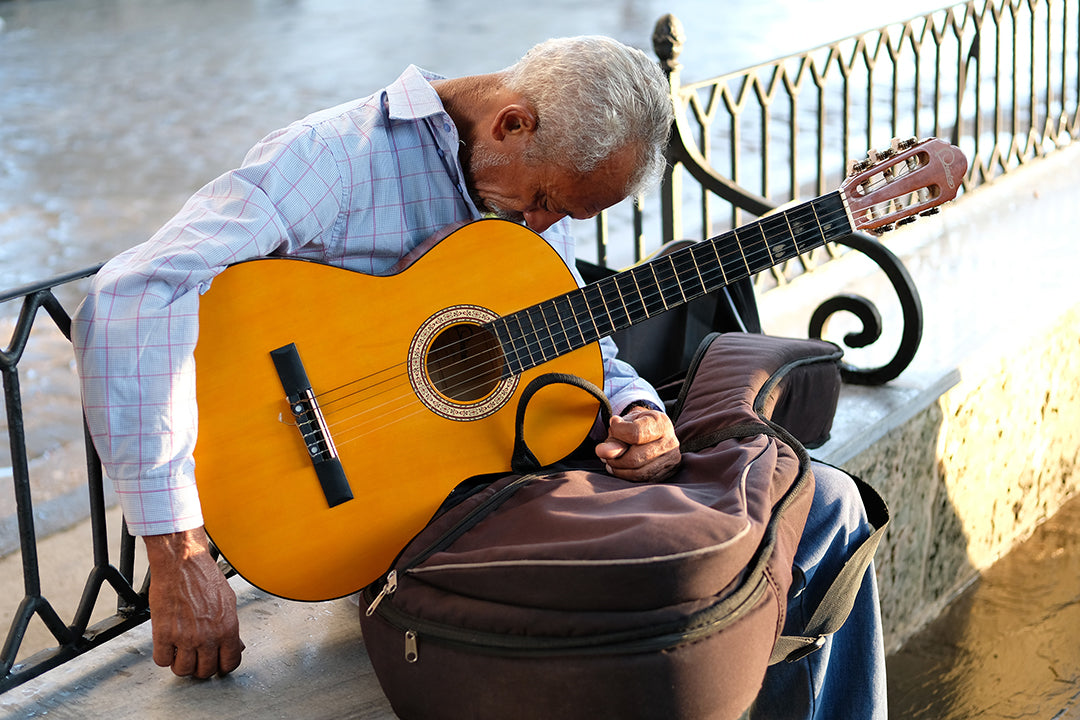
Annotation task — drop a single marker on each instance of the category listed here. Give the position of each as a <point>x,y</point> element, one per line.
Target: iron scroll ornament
<point>870,317</point>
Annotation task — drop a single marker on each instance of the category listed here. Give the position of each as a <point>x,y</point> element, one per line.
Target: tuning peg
<point>931,211</point>
<point>906,221</point>
<point>857,166</point>
<point>899,145</point>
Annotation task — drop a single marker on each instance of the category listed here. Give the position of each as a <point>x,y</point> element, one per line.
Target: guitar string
<point>722,260</point>
<point>751,260</point>
<point>383,417</point>
<point>383,411</point>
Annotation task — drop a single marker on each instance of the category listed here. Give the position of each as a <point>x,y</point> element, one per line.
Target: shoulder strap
<point>836,605</point>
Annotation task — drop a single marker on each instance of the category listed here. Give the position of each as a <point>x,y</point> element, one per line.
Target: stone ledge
<point>302,660</point>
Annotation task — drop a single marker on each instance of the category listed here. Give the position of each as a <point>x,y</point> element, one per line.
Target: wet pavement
<point>1008,647</point>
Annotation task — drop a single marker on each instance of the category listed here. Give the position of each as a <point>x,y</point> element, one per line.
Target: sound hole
<point>464,362</point>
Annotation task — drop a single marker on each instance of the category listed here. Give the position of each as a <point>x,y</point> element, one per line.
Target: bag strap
<point>523,461</point>
<point>839,599</point>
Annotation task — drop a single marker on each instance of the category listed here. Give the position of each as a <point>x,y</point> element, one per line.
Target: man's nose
<point>540,220</point>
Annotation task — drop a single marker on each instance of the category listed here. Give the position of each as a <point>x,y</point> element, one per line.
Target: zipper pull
<point>411,653</point>
<point>388,589</point>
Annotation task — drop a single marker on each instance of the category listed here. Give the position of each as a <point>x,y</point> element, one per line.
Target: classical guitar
<point>337,409</point>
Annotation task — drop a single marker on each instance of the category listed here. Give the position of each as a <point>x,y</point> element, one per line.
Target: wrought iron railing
<point>79,635</point>
<point>999,78</point>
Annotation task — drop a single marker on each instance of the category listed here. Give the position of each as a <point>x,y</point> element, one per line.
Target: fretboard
<point>544,331</point>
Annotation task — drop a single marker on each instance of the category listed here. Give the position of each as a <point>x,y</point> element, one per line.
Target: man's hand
<point>192,607</point>
<point>641,446</point>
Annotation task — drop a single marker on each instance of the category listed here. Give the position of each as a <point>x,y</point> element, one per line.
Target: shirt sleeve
<point>622,384</point>
<point>135,333</point>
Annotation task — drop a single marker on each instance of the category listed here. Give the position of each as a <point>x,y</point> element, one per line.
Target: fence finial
<point>667,41</point>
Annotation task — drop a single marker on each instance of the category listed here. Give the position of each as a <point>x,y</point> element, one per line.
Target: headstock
<point>894,186</point>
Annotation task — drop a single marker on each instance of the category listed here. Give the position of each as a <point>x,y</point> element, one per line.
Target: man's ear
<point>513,120</point>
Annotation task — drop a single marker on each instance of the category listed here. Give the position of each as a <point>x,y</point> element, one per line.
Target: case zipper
<point>698,625</point>
<point>388,589</point>
<point>703,623</point>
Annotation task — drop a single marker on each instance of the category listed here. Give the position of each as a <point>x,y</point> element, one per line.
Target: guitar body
<point>404,436</point>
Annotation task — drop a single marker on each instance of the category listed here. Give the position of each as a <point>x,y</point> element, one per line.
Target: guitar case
<point>563,592</point>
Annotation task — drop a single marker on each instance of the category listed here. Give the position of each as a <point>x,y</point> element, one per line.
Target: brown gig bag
<point>567,593</point>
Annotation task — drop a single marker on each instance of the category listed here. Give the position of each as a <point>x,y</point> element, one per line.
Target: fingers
<point>642,447</point>
<point>202,663</point>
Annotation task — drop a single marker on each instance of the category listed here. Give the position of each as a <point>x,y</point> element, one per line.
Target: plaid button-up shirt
<point>356,186</point>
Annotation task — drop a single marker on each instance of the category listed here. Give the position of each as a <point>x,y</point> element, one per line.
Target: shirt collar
<point>411,96</point>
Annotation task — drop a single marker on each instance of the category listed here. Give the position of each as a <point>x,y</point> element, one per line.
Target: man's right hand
<point>192,607</point>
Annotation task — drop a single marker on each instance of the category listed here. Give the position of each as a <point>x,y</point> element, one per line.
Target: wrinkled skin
<point>641,446</point>
<point>192,607</point>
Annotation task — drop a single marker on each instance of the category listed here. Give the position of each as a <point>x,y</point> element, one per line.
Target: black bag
<point>567,593</point>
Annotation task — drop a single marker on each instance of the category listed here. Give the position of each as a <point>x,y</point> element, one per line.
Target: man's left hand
<point>641,446</point>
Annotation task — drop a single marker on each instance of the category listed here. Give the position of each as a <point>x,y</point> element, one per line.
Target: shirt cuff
<point>641,403</point>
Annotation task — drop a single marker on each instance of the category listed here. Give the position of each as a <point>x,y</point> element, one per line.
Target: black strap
<point>839,599</point>
<point>523,460</point>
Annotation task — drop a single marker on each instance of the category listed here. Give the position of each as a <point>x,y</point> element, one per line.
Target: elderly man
<point>574,127</point>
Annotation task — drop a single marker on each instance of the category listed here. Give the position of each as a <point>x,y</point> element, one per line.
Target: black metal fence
<point>998,78</point>
<point>1001,79</point>
<point>77,636</point>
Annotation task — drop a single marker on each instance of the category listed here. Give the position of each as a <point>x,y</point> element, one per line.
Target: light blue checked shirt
<point>356,186</point>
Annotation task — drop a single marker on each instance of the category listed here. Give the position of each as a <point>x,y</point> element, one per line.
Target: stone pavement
<point>303,660</point>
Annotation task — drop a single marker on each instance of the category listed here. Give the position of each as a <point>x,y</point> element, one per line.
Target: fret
<point>642,295</point>
<point>697,272</point>
<point>630,298</point>
<point>742,255</point>
<point>616,302</point>
<point>836,222</point>
<point>542,340</point>
<point>598,309</point>
<point>719,263</point>
<point>611,293</point>
<point>805,224</point>
<point>568,321</point>
<point>710,272</point>
<point>513,363</point>
<point>579,304</point>
<point>554,324</point>
<point>522,341</point>
<point>773,226</point>
<point>658,297</point>
<point>765,238</point>
<point>667,283</point>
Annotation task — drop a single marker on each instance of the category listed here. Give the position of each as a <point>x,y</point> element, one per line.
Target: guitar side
<point>354,334</point>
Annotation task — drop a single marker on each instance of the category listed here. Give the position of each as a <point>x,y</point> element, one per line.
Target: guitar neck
<point>536,334</point>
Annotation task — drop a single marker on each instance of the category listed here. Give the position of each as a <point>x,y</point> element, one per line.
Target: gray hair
<point>594,96</point>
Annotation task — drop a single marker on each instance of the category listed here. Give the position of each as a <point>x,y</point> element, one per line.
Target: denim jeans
<point>845,678</point>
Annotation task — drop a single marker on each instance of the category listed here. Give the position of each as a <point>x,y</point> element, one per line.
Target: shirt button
<point>446,127</point>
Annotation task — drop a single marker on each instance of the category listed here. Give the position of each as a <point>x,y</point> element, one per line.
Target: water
<point>112,112</point>
<point>1007,647</point>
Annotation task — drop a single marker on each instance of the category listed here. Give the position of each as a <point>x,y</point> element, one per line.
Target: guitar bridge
<point>311,424</point>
